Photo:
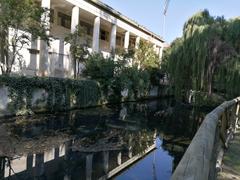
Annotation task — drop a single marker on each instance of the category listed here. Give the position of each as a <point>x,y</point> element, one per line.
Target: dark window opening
<point>104,35</point>
<point>52,16</point>
<point>132,43</point>
<point>87,27</point>
<point>64,20</point>
<point>119,40</point>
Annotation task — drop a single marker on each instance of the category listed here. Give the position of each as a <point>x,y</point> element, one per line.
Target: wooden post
<point>230,128</point>
<point>223,127</point>
<point>236,117</point>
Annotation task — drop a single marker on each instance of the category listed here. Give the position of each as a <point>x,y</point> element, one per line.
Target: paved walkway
<point>231,161</point>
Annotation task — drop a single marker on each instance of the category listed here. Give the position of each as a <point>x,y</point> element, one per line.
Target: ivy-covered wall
<point>25,95</point>
<point>28,95</point>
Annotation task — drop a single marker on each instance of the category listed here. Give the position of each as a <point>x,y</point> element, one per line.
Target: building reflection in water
<point>97,163</point>
<point>93,144</point>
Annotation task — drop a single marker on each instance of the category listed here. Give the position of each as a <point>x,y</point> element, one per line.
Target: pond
<point>143,140</point>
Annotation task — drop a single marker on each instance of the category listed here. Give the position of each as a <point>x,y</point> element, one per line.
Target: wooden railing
<point>206,149</point>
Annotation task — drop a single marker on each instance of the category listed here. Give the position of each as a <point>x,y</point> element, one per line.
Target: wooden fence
<point>206,149</point>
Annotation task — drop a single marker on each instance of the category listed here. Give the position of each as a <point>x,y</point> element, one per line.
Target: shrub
<point>136,81</point>
<point>102,70</point>
<point>156,75</point>
<point>99,68</point>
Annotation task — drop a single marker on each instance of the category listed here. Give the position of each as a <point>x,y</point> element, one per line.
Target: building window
<point>132,43</point>
<point>64,20</point>
<point>104,35</point>
<point>87,27</point>
<point>52,16</point>
<point>119,40</point>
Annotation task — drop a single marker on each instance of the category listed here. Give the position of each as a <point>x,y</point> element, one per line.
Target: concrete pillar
<point>49,155</point>
<point>44,59</point>
<point>130,148</point>
<point>155,138</point>
<point>137,42</point>
<point>119,158</point>
<point>160,53</point>
<point>39,165</point>
<point>66,150</point>
<point>29,162</point>
<point>105,161</point>
<point>89,159</point>
<point>96,34</point>
<point>155,48</point>
<point>75,18</point>
<point>56,153</point>
<point>46,4</point>
<point>113,38</point>
<point>126,40</point>
<point>61,56</point>
<point>74,24</point>
<point>33,57</point>
<point>62,150</point>
<point>130,153</point>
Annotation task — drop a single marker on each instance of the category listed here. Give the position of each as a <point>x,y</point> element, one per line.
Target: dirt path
<point>231,161</point>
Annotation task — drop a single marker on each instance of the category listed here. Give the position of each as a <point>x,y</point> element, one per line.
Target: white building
<point>107,30</point>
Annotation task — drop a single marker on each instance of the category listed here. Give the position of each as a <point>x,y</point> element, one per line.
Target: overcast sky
<point>150,12</point>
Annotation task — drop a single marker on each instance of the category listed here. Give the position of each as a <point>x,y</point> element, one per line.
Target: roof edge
<point>119,15</point>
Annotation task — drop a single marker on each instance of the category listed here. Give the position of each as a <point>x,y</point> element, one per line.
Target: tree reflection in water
<point>95,143</point>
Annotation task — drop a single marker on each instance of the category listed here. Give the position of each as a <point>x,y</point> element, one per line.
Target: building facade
<point>107,31</point>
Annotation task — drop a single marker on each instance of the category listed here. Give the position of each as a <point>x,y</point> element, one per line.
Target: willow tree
<point>228,75</point>
<point>196,57</point>
<point>20,22</point>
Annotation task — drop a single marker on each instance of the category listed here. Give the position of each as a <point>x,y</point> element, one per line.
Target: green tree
<point>145,56</point>
<point>228,75</point>
<point>20,22</point>
<point>78,41</point>
<point>100,68</point>
<point>194,59</point>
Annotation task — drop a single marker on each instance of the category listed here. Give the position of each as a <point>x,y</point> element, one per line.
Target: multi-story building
<point>106,28</point>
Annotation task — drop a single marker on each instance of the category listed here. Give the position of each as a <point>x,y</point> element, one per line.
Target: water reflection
<point>98,143</point>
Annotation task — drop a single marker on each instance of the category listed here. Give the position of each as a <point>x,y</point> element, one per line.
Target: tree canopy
<point>79,42</point>
<point>206,57</point>
<point>145,56</point>
<point>20,22</point>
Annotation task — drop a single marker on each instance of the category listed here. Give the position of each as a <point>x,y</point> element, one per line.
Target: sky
<point>149,13</point>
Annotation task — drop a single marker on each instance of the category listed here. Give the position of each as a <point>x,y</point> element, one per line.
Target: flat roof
<point>124,18</point>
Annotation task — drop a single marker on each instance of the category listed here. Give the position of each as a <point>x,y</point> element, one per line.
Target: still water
<point>143,140</point>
